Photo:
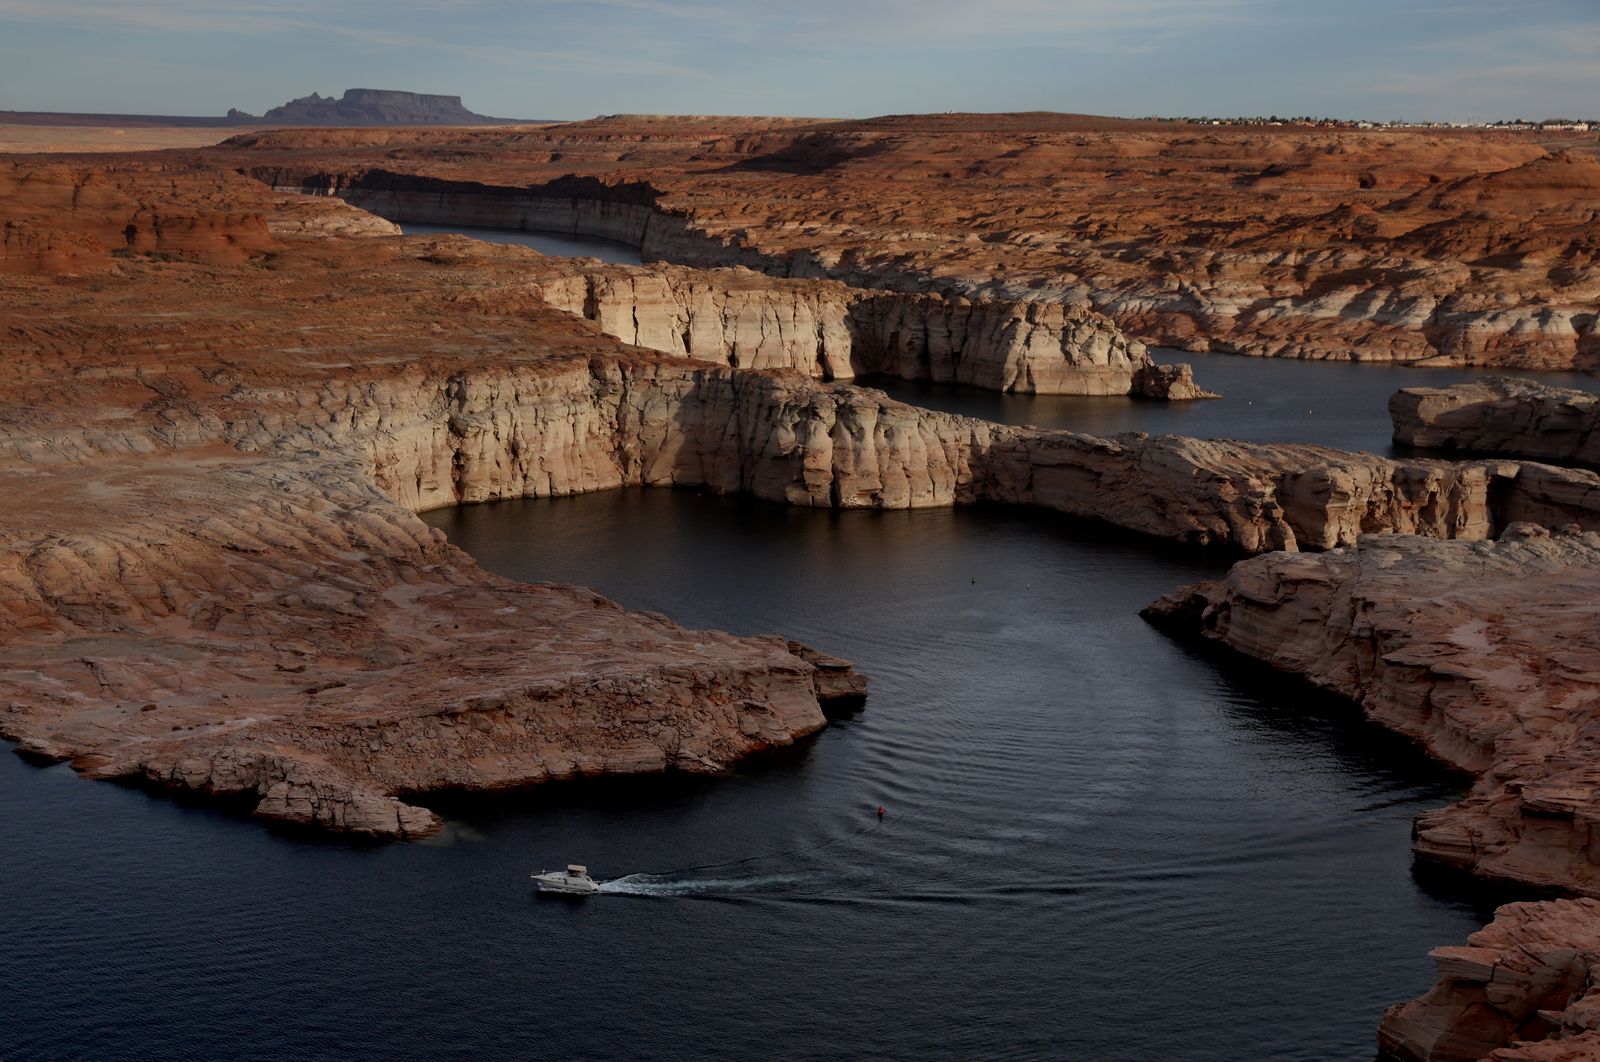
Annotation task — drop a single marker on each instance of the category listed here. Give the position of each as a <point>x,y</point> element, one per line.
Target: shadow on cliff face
<point>1294,713</point>
<point>1297,716</point>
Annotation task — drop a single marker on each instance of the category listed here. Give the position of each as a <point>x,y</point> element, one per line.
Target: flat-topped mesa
<point>1486,653</point>
<point>832,331</point>
<point>1525,988</point>
<point>1501,415</point>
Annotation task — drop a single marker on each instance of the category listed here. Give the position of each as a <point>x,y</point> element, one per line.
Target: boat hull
<point>561,885</point>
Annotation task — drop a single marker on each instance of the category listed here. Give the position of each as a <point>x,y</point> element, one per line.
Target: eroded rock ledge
<point>1488,655</point>
<point>228,587</point>
<point>733,311</point>
<point>831,331</point>
<point>1501,415</point>
<point>1530,979</point>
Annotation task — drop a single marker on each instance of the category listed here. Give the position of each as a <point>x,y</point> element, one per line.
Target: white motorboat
<point>574,881</point>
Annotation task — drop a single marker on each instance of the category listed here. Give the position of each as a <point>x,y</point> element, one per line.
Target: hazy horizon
<point>1432,60</point>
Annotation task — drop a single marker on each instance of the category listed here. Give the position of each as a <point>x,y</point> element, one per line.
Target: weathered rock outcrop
<point>1501,415</point>
<point>835,332</point>
<point>1530,978</point>
<point>214,498</point>
<point>284,635</point>
<point>1488,654</point>
<point>1428,247</point>
<point>731,314</point>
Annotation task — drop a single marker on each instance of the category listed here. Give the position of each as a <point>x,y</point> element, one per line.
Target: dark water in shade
<point>1270,400</point>
<point>561,245</point>
<point>1099,845</point>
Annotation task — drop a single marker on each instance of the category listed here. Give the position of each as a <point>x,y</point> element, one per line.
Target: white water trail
<point>666,885</point>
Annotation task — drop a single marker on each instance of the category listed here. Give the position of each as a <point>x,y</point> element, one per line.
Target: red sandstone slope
<point>60,219</point>
<point>1454,247</point>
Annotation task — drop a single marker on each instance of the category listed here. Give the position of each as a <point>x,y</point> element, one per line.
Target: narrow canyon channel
<point>1099,843</point>
<point>550,243</point>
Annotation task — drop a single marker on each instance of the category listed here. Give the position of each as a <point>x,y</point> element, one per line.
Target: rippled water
<point>560,245</point>
<point>1098,845</point>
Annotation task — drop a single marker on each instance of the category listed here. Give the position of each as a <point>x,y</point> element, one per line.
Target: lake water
<point>560,245</point>
<point>1100,843</point>
<point>1270,400</point>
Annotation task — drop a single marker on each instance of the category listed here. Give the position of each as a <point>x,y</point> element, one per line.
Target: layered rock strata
<point>1530,980</point>
<point>1501,415</point>
<point>1442,248</point>
<point>829,329</point>
<point>1488,655</point>
<point>1485,653</point>
<point>231,445</point>
<point>832,331</point>
<point>283,635</point>
<point>216,597</point>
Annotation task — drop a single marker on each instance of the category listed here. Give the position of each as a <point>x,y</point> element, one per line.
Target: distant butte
<point>357,107</point>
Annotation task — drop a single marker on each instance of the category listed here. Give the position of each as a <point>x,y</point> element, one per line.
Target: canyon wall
<point>1501,415</point>
<point>1530,979</point>
<point>1427,247</point>
<point>1485,655</point>
<point>835,332</point>
<point>828,329</point>
<point>1481,652</point>
<point>244,587</point>
<point>583,425</point>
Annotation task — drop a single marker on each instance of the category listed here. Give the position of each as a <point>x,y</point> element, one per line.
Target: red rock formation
<point>1500,415</point>
<point>1450,248</point>
<point>232,449</point>
<point>1487,654</point>
<point>1532,976</point>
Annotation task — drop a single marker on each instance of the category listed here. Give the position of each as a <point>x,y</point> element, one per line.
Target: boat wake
<point>668,885</point>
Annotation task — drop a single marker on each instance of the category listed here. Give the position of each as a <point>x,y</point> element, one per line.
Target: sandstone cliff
<point>1500,415</point>
<point>1484,653</point>
<point>834,332</point>
<point>830,329</point>
<point>1532,976</point>
<point>1440,248</point>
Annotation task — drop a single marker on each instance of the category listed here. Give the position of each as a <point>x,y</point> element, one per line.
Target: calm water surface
<point>1098,845</point>
<point>1270,400</point>
<point>560,245</point>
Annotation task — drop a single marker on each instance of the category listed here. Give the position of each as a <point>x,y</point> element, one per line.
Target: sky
<point>1409,59</point>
